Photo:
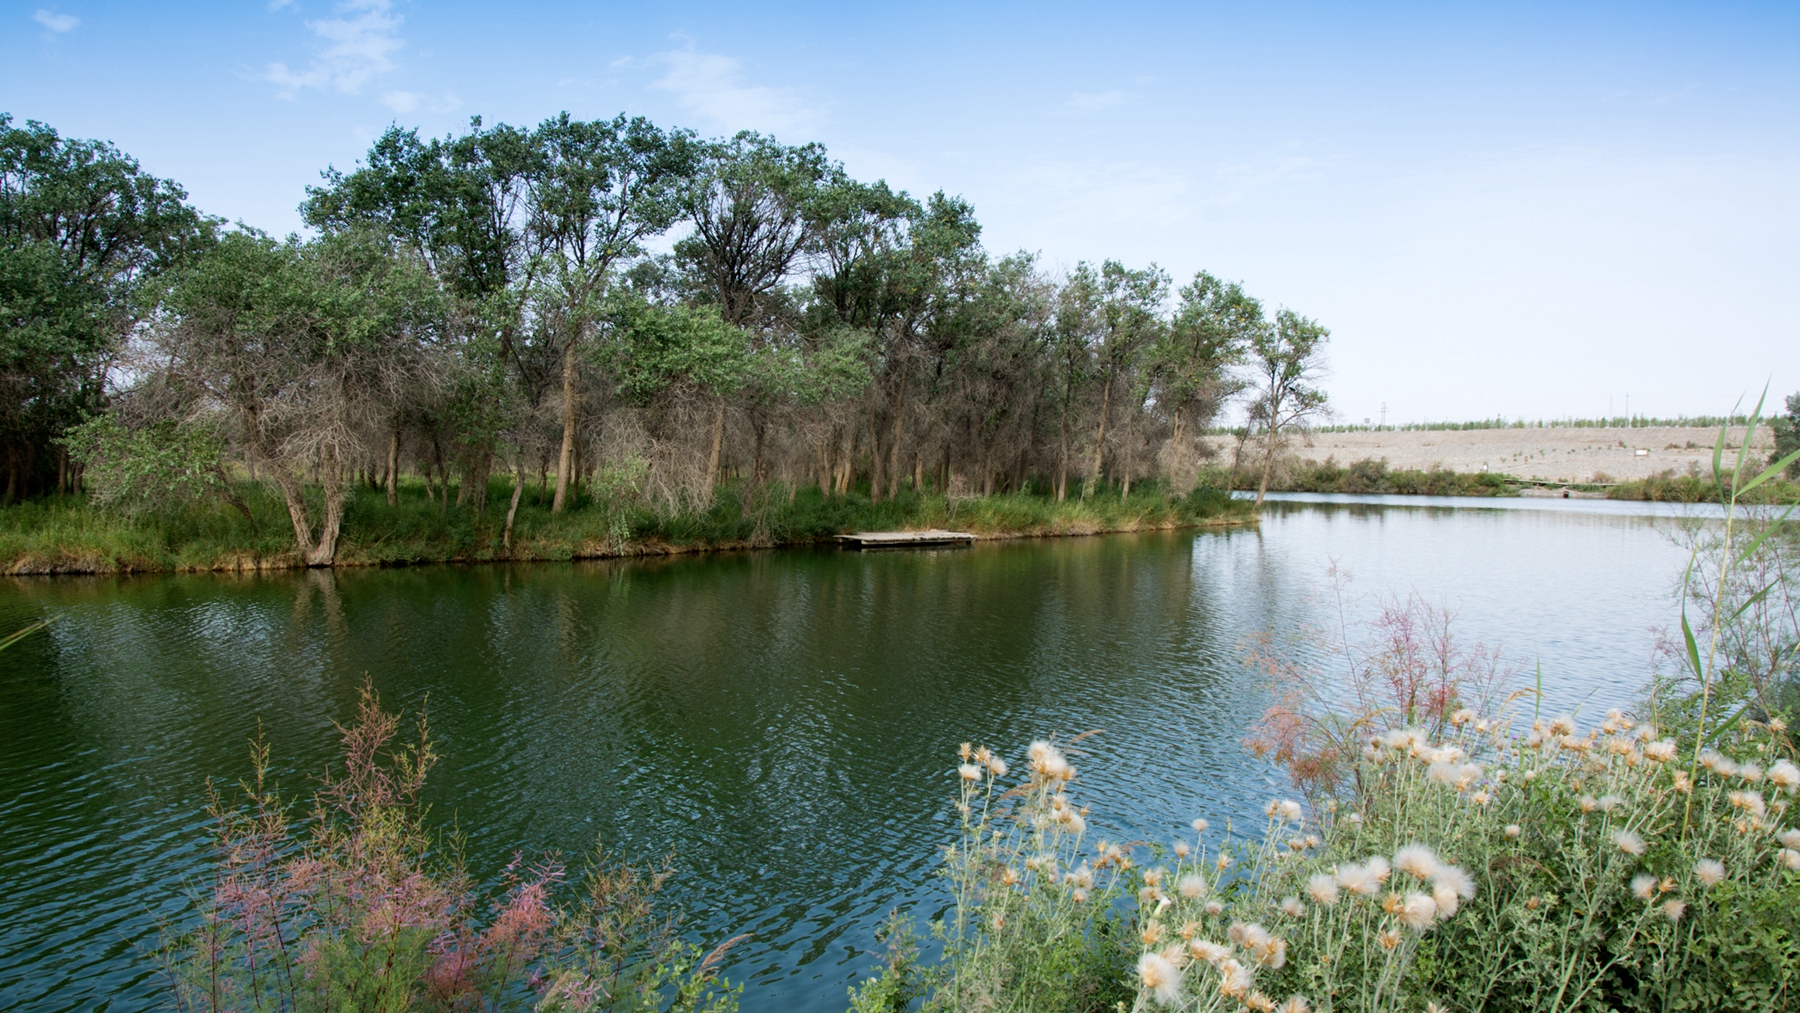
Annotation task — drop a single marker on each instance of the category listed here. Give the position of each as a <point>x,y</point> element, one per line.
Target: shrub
<point>360,909</point>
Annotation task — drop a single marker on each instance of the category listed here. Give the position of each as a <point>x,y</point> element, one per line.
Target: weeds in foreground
<point>359,909</point>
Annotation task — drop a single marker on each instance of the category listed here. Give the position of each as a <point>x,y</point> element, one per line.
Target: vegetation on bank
<point>1364,477</point>
<point>68,534</point>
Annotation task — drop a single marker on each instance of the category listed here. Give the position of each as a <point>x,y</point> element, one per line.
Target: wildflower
<point>1628,842</point>
<point>1211,952</point>
<point>1078,895</point>
<point>1418,911</point>
<point>1784,775</point>
<point>1661,752</point>
<point>1444,896</point>
<point>998,921</point>
<point>1072,822</point>
<point>1481,798</point>
<point>1749,801</point>
<point>1353,819</point>
<point>1789,839</point>
<point>1777,725</point>
<point>1379,866</point>
<point>1224,861</point>
<point>1284,810</point>
<point>1292,907</point>
<point>1462,717</point>
<point>1214,908</point>
<point>1152,933</point>
<point>1259,1003</point>
<point>1513,831</point>
<point>1608,803</point>
<point>1048,761</point>
<point>1312,840</point>
<point>1295,1004</point>
<point>1725,767</point>
<point>1082,876</point>
<point>1009,876</point>
<point>1441,773</point>
<point>1643,886</point>
<point>1358,879</point>
<point>1709,758</point>
<point>1389,938</point>
<point>998,766</point>
<point>1673,909</point>
<point>1199,826</point>
<point>1234,978</point>
<point>1188,929</point>
<point>1790,858</point>
<point>964,750</point>
<point>1456,879</point>
<point>1588,803</point>
<point>1416,860</point>
<point>1160,978</point>
<point>1192,887</point>
<point>1322,889</point>
<point>1562,725</point>
<point>1750,772</point>
<point>1181,849</point>
<point>1683,783</point>
<point>1709,871</point>
<point>969,772</point>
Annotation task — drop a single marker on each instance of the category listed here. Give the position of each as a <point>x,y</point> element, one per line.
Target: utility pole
<point>1384,414</point>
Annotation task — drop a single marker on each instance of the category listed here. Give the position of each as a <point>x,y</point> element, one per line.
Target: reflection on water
<point>784,722</point>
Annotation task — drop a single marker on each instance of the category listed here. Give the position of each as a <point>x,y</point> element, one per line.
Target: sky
<point>1528,210</point>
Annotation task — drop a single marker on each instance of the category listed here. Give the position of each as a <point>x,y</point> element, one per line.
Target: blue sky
<point>1533,210</point>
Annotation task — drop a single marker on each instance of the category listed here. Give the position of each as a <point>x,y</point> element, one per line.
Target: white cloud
<point>57,23</point>
<point>407,101</point>
<point>359,45</point>
<point>1089,101</point>
<point>711,85</point>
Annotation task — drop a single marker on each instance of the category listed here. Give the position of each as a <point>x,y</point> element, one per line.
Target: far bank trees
<point>616,313</point>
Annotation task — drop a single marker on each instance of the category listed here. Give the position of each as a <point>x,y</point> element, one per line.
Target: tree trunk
<point>512,509</point>
<point>1268,467</point>
<point>1093,478</point>
<point>718,442</point>
<point>331,477</point>
<point>393,468</point>
<point>295,499</point>
<point>565,462</point>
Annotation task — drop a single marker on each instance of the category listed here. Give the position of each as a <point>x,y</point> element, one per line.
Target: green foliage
<point>85,235</point>
<point>1787,436</point>
<point>1371,477</point>
<point>168,463</point>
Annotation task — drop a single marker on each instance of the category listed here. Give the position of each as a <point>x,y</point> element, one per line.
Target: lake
<point>785,722</point>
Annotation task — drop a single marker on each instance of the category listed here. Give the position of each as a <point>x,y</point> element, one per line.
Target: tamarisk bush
<point>358,907</point>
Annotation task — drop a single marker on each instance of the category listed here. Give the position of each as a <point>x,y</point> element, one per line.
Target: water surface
<point>784,722</point>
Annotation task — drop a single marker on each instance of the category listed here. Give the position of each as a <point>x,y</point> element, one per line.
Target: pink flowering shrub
<point>359,908</point>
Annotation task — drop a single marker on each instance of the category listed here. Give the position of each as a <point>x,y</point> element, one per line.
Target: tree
<point>1288,362</point>
<point>602,188</point>
<point>84,235</point>
<point>1787,435</point>
<point>301,345</point>
<point>1191,365</point>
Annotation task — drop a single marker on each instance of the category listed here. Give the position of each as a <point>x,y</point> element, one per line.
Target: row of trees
<point>487,301</point>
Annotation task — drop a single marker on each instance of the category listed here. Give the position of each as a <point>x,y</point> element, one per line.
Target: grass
<point>1670,488</point>
<point>67,534</point>
<point>1370,477</point>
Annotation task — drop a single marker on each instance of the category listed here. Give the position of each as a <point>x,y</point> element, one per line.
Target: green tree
<point>301,345</point>
<point>1289,359</point>
<point>1191,363</point>
<point>84,235</point>
<point>1787,435</point>
<point>602,187</point>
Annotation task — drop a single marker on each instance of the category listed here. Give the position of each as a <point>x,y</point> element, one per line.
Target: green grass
<point>1695,489</point>
<point>67,534</point>
<point>1368,477</point>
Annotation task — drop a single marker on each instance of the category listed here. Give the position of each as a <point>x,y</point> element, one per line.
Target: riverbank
<point>69,535</point>
<point>1375,478</point>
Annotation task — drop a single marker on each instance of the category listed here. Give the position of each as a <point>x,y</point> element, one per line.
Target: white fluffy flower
<point>1160,978</point>
<point>1710,872</point>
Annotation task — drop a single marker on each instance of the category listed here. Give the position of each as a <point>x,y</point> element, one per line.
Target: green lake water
<point>784,722</point>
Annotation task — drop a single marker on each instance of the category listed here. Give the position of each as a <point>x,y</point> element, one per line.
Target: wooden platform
<point>905,539</point>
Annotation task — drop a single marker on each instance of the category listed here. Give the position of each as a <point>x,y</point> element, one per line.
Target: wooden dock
<point>905,539</point>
